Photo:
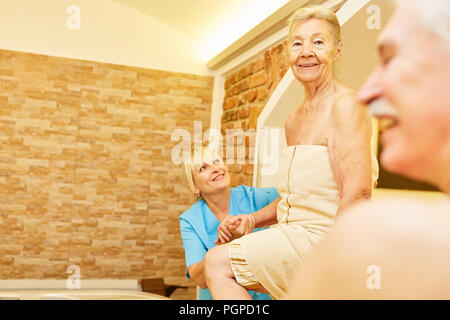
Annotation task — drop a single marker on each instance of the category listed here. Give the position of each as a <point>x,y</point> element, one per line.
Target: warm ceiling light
<point>246,17</point>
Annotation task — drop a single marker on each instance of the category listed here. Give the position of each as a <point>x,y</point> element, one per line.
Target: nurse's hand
<point>245,226</point>
<point>224,232</point>
<point>236,227</point>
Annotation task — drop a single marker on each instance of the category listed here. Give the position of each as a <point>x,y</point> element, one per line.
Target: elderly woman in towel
<point>326,167</point>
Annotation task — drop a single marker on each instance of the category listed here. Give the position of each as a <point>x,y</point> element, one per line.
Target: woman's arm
<point>194,252</point>
<point>350,154</point>
<point>196,271</point>
<point>243,224</point>
<point>266,216</point>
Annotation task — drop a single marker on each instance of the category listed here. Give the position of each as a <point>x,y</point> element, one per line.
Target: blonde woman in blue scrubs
<point>217,204</point>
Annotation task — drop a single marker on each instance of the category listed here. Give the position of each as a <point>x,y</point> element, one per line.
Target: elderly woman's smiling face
<point>312,50</point>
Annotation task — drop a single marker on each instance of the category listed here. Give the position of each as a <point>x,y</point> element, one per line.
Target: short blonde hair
<point>316,12</point>
<point>198,154</point>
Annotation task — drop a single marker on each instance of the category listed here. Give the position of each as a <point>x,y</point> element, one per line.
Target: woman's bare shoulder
<point>345,101</point>
<point>347,108</point>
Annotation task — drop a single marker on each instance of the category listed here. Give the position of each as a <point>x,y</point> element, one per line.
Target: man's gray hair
<point>434,15</point>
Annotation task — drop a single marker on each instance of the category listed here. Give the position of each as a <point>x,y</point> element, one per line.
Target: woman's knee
<point>216,260</point>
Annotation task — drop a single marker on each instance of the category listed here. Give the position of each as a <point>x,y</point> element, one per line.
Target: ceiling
<point>213,25</point>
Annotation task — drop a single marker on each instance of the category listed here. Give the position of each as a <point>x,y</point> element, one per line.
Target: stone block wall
<point>247,89</point>
<point>86,176</point>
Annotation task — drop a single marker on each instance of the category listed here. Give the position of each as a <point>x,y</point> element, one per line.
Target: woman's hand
<point>235,227</point>
<point>245,226</point>
<point>223,233</point>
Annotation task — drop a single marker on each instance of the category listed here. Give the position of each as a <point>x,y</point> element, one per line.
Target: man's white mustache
<point>382,108</point>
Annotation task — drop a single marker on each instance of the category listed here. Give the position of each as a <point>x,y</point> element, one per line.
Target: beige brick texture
<point>247,90</point>
<point>86,175</point>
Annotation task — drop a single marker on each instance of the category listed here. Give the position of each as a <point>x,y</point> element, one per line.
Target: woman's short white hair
<point>434,15</point>
<point>316,12</point>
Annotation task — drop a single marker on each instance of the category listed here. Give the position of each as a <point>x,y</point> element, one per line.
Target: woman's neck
<point>320,89</point>
<point>219,203</point>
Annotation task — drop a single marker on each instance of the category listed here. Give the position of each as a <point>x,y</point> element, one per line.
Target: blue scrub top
<point>198,226</point>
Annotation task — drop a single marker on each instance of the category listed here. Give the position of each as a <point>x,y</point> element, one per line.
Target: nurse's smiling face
<point>211,176</point>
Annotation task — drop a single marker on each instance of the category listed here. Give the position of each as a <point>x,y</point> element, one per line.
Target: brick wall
<point>85,171</point>
<point>247,90</point>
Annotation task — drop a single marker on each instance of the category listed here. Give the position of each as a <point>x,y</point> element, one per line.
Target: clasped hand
<point>233,227</point>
